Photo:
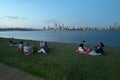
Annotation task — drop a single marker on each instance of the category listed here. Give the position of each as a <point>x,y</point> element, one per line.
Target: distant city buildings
<point>56,27</point>
<point>72,27</point>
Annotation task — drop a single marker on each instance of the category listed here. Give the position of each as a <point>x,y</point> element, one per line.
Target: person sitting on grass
<point>82,49</point>
<point>28,49</point>
<point>43,47</point>
<point>20,47</point>
<point>99,48</point>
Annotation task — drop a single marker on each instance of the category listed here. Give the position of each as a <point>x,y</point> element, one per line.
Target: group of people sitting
<point>28,49</point>
<point>85,50</point>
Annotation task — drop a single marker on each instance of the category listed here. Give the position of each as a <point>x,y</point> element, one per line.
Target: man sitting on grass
<point>27,49</point>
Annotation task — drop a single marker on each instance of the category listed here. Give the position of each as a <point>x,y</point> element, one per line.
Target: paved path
<point>10,73</point>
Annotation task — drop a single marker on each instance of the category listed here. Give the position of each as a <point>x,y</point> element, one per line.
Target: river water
<point>109,38</point>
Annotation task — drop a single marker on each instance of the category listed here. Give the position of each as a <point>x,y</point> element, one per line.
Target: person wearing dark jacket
<point>99,48</point>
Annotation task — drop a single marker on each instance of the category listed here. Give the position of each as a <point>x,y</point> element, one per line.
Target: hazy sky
<point>40,13</point>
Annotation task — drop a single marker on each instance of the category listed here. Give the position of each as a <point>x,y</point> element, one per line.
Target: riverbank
<point>62,63</point>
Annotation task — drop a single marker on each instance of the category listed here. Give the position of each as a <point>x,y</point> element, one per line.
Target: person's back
<point>20,46</point>
<point>25,49</point>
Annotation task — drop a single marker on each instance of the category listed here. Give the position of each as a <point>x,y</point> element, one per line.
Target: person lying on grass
<point>12,43</point>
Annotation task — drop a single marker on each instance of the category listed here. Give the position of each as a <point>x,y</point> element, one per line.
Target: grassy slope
<point>62,63</point>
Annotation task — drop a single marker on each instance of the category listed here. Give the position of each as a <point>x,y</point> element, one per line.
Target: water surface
<point>110,38</point>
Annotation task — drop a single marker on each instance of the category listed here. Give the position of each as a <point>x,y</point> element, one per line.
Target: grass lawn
<point>62,63</point>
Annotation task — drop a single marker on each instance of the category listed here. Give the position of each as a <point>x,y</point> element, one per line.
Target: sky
<point>41,13</point>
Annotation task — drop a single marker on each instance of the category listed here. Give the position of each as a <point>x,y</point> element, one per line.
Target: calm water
<point>109,38</point>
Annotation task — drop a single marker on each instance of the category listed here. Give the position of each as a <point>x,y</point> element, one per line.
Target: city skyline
<point>41,13</point>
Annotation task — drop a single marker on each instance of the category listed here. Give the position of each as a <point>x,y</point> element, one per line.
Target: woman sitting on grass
<point>43,47</point>
<point>99,48</point>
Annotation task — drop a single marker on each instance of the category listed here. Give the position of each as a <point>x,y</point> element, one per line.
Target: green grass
<point>62,63</point>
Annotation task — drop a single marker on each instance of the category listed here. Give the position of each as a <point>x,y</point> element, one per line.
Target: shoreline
<point>58,42</point>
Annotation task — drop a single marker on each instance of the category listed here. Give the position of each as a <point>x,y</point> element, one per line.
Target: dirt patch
<point>10,73</point>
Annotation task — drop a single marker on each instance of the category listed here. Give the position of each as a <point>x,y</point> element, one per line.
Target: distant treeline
<point>18,29</point>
